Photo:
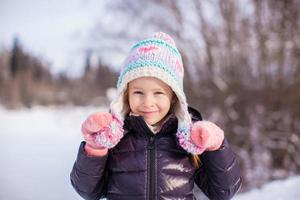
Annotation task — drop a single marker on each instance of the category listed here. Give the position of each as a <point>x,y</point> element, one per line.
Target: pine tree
<point>88,67</point>
<point>16,58</point>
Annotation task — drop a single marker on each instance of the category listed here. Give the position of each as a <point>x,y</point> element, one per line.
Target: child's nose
<point>148,101</point>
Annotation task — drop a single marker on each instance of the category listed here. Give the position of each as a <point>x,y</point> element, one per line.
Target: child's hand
<point>92,128</point>
<point>207,135</point>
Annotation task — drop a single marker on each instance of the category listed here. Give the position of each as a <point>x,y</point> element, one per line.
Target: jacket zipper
<point>151,165</point>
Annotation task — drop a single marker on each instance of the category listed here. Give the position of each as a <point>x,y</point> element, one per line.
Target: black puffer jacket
<point>147,166</point>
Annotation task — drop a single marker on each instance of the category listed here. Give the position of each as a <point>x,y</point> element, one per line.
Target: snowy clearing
<point>39,146</point>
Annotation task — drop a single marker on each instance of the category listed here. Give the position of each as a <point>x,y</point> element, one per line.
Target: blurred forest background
<point>242,71</point>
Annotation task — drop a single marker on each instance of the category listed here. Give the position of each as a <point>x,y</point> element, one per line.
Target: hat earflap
<point>184,129</point>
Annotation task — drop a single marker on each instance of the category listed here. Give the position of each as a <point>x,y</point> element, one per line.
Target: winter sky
<point>54,30</point>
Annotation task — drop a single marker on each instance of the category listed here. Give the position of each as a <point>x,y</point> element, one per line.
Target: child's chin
<point>152,122</point>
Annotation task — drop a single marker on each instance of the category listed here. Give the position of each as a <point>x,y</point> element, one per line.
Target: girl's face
<point>149,97</point>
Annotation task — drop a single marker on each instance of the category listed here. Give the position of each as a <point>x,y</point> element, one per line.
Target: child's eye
<point>137,92</point>
<point>158,93</point>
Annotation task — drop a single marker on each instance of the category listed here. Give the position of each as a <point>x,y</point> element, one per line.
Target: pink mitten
<point>207,135</point>
<point>92,128</point>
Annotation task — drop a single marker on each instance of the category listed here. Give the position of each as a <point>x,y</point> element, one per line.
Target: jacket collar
<point>137,125</point>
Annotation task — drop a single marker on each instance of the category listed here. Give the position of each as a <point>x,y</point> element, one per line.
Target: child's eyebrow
<point>135,88</point>
<point>158,89</point>
<point>152,89</point>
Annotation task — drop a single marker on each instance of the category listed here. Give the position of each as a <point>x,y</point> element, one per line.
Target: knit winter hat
<point>155,57</point>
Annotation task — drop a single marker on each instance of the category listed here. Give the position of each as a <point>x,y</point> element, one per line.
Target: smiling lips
<point>148,112</point>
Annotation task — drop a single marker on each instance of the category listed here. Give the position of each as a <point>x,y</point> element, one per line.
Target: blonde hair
<point>126,107</point>
<point>196,160</point>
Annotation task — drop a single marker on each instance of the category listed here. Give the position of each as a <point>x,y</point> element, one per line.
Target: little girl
<point>151,145</point>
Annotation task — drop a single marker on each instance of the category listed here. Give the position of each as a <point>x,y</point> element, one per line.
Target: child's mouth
<point>148,112</point>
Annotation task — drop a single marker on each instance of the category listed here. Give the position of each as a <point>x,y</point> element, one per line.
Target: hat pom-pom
<point>165,37</point>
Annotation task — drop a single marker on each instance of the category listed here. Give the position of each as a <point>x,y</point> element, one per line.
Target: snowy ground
<point>276,190</point>
<point>38,148</point>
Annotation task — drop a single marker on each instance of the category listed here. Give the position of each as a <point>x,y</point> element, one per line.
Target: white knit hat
<point>155,57</point>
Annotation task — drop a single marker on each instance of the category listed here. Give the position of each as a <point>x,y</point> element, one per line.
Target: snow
<point>276,190</point>
<point>37,150</point>
<point>38,147</point>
